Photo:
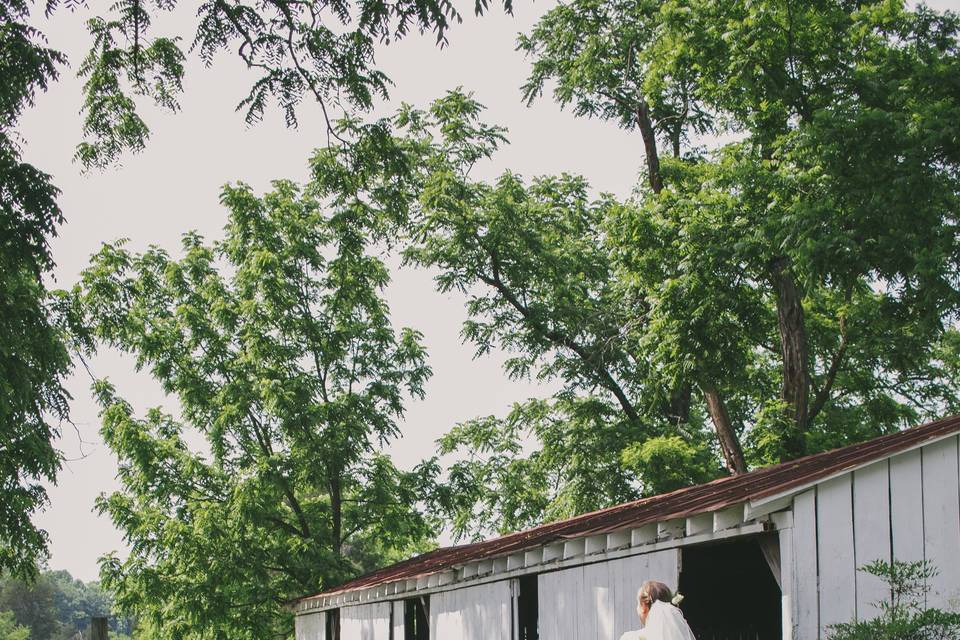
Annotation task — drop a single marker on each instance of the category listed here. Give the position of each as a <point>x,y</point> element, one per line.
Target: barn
<point>768,554</point>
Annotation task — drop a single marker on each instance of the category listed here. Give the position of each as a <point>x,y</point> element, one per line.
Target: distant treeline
<point>55,606</point>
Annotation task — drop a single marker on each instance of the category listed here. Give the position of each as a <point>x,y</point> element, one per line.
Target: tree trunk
<point>793,347</point>
<point>645,123</point>
<point>678,409</point>
<point>336,513</point>
<point>729,443</point>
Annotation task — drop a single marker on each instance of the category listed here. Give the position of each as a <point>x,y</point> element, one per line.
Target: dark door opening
<point>416,619</point>
<point>730,592</point>
<point>528,611</point>
<point>332,625</point>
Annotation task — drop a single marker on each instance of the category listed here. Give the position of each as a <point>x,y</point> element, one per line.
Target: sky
<point>173,186</point>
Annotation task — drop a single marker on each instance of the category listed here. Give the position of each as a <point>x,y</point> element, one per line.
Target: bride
<point>660,617</point>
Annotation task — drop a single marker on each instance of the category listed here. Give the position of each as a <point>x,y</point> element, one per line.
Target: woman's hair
<point>651,591</point>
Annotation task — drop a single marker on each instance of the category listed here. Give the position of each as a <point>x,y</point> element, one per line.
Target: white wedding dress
<point>664,622</point>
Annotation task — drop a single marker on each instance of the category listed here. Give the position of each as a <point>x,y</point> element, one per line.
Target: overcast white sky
<point>173,186</point>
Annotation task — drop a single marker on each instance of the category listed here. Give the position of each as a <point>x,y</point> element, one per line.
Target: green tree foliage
<point>903,616</point>
<point>322,50</point>
<point>33,356</point>
<point>805,275</point>
<point>55,606</point>
<point>10,630</point>
<point>794,288</point>
<point>280,351</point>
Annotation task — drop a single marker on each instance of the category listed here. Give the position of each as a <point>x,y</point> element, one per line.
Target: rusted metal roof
<point>712,496</point>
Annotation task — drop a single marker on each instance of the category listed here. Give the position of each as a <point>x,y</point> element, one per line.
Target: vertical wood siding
<point>310,626</point>
<point>365,622</point>
<point>473,613</point>
<point>598,601</point>
<point>941,522</point>
<point>871,528</point>
<point>907,508</point>
<point>906,505</point>
<point>398,629</point>
<point>806,618</point>
<point>835,541</point>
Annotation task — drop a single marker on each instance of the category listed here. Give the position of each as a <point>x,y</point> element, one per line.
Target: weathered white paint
<point>941,522</point>
<point>396,618</point>
<point>310,626</point>
<point>835,550</point>
<point>598,601</point>
<point>365,621</point>
<point>728,518</point>
<point>700,523</point>
<point>787,580</point>
<point>871,528</point>
<point>643,535</point>
<point>671,529</point>
<point>472,613</point>
<point>906,506</point>
<point>806,608</point>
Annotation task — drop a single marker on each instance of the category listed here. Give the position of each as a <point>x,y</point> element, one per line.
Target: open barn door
<point>731,589</point>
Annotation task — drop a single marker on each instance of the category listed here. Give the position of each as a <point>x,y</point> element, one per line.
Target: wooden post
<point>98,628</point>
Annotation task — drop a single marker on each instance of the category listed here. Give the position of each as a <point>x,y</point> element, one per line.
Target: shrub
<point>903,616</point>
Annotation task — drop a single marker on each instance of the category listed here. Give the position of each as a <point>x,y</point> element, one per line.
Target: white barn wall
<point>907,507</point>
<point>309,626</point>
<point>365,621</point>
<point>608,589</point>
<point>806,612</point>
<point>835,551</point>
<point>397,618</point>
<point>482,612</point>
<point>871,529</point>
<point>941,522</point>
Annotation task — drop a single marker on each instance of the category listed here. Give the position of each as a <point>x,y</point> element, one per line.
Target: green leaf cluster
<point>33,354</point>
<point>904,616</point>
<point>324,51</point>
<point>274,479</point>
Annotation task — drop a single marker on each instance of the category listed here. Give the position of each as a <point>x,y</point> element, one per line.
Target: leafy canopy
<point>793,288</point>
<point>322,50</point>
<point>280,351</point>
<point>33,354</point>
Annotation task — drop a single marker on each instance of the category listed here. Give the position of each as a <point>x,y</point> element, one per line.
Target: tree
<point>10,630</point>
<point>803,252</point>
<point>794,289</point>
<point>903,616</point>
<point>55,606</point>
<point>280,351</point>
<point>322,50</point>
<point>33,354</point>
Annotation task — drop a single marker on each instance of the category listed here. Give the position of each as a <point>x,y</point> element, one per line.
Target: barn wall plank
<point>595,577</point>
<point>906,506</point>
<point>309,627</point>
<point>838,601</point>
<point>598,601</point>
<point>806,607</point>
<point>871,526</point>
<point>481,612</point>
<point>397,619</point>
<point>787,579</point>
<point>941,522</point>
<point>365,621</point>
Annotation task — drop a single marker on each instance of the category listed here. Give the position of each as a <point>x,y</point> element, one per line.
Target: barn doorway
<point>729,588</point>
